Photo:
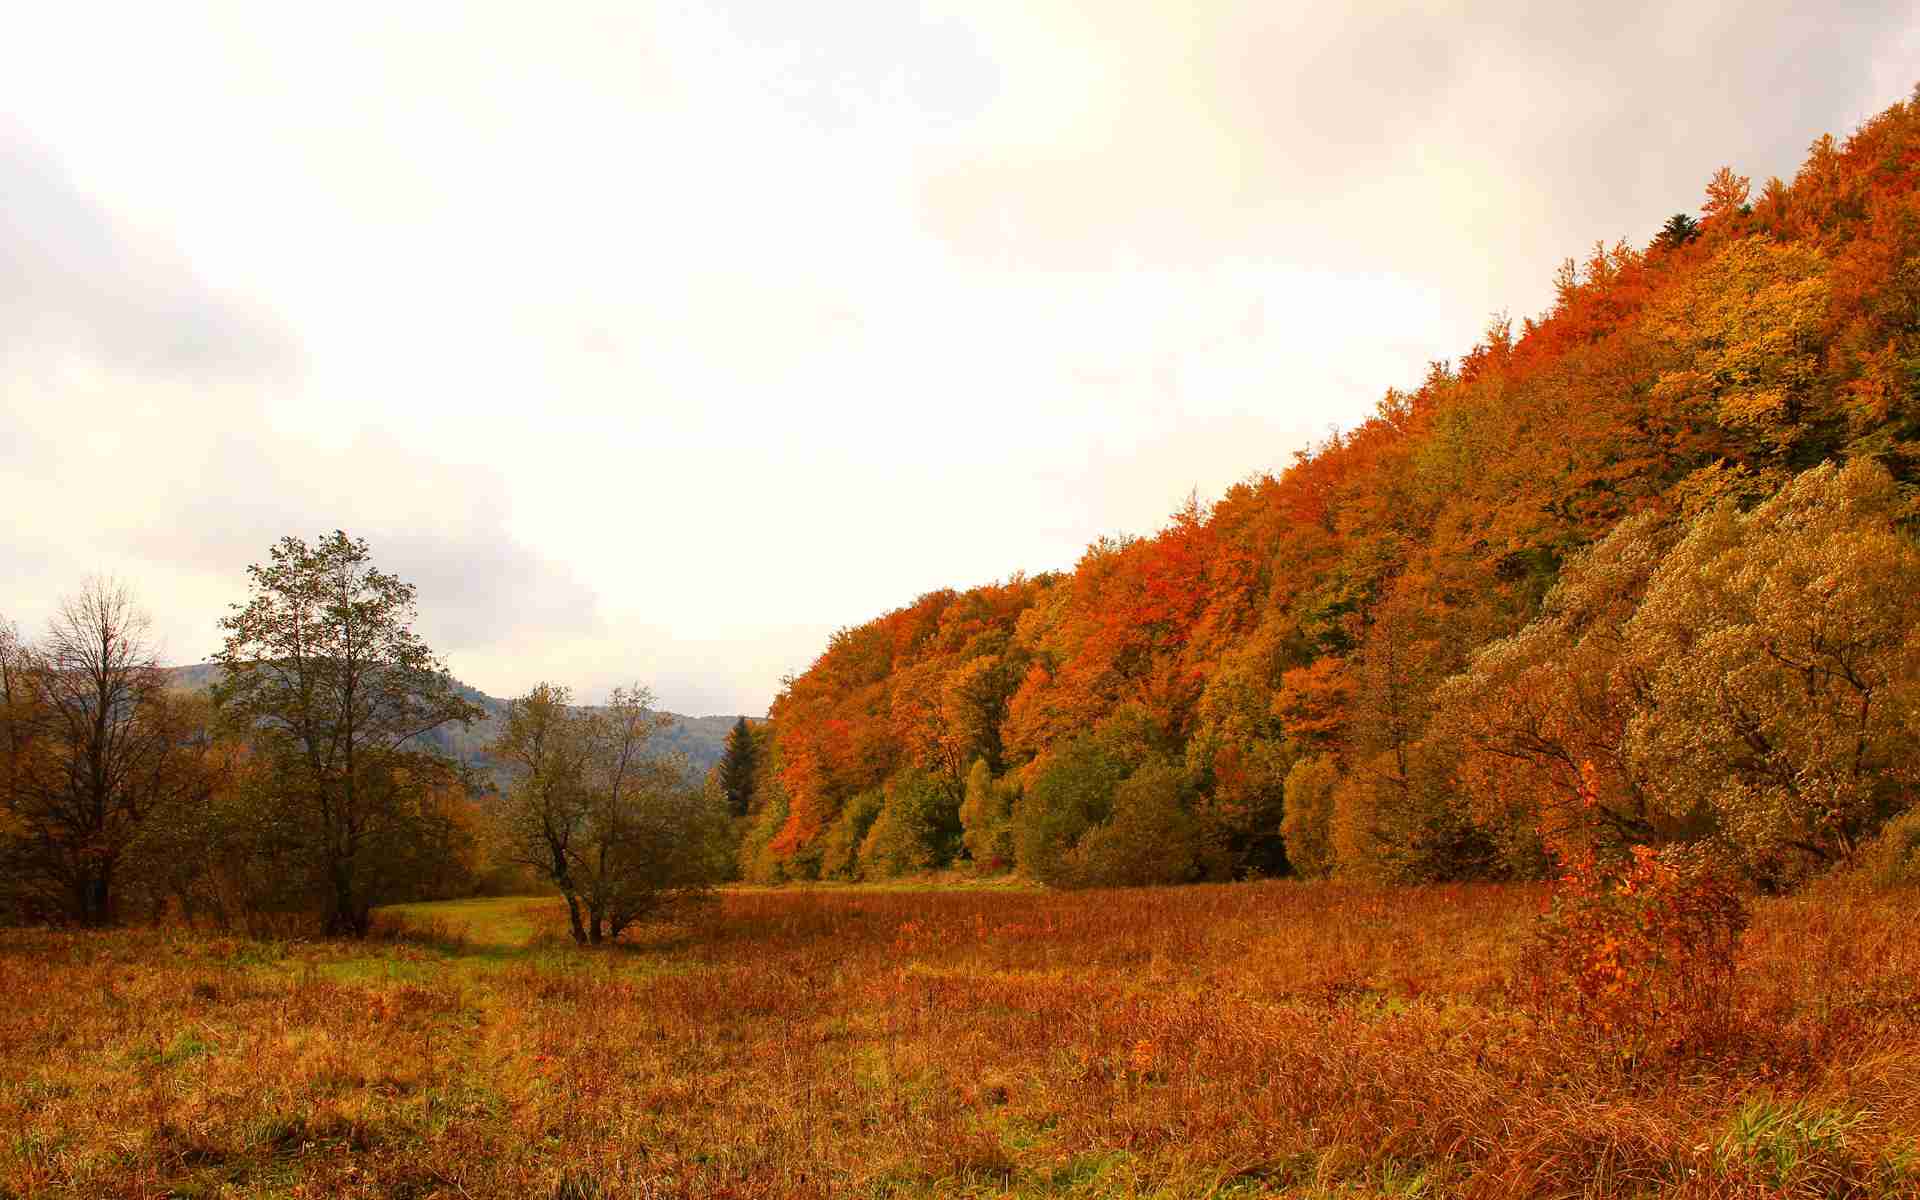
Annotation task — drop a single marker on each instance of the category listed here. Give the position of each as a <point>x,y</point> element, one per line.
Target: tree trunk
<point>341,917</point>
<point>102,913</point>
<point>573,916</point>
<point>92,897</point>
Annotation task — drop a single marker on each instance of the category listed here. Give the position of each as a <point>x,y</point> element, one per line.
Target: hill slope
<point>1292,655</point>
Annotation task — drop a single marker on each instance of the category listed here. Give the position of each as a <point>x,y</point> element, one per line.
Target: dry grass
<point>1299,1040</point>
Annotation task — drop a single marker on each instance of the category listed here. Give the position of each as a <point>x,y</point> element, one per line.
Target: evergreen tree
<point>737,768</point>
<point>1677,232</point>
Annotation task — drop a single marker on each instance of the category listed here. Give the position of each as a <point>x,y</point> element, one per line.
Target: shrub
<point>1893,859</point>
<point>1394,821</point>
<point>758,863</point>
<point>893,847</point>
<point>840,845</point>
<point>1640,948</point>
<point>1151,838</point>
<point>1071,794</point>
<point>917,827</point>
<point>1308,823</point>
<point>986,818</point>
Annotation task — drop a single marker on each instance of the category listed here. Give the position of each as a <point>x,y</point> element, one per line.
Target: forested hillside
<point>1639,571</point>
<point>701,739</point>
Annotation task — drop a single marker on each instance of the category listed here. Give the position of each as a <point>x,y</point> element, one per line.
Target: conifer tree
<point>1677,232</point>
<point>737,768</point>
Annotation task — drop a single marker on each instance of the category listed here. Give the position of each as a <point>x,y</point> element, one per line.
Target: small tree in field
<point>621,833</point>
<point>326,678</point>
<point>1151,838</point>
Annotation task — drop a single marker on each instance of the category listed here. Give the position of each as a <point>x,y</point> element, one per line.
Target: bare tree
<point>92,751</point>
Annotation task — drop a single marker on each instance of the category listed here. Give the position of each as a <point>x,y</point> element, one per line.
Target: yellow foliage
<point>1745,331</point>
<point>1308,824</point>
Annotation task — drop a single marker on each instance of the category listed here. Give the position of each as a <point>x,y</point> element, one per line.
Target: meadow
<point>1287,1039</point>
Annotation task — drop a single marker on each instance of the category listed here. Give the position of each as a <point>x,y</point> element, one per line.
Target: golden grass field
<point>1309,1040</point>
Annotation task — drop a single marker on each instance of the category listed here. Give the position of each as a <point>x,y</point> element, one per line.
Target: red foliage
<point>1639,948</point>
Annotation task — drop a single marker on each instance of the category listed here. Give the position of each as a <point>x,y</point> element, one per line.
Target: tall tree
<point>1783,652</point>
<point>737,767</point>
<point>15,743</point>
<point>92,751</point>
<point>324,672</point>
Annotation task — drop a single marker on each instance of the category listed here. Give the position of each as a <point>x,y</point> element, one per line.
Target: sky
<point>655,341</point>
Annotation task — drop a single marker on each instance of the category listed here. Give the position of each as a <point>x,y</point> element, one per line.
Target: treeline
<point>304,789</point>
<point>1640,573</point>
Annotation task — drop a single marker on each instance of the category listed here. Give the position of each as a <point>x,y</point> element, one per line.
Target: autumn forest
<point>1639,571</point>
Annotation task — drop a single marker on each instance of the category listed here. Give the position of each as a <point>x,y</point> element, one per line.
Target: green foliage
<point>840,845</point>
<point>623,833</point>
<point>324,676</point>
<point>737,767</point>
<point>986,818</point>
<point>1787,1144</point>
<point>1151,837</point>
<point>1071,794</point>
<point>1395,820</point>
<point>758,863</point>
<point>729,829</point>
<point>1677,232</point>
<point>917,828</point>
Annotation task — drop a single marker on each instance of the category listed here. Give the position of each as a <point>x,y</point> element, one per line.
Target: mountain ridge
<point>702,739</point>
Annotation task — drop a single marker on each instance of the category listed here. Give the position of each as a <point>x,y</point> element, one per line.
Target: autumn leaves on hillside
<point>1661,533</point>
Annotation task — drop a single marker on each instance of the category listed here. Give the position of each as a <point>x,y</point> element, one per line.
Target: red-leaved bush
<point>1639,947</point>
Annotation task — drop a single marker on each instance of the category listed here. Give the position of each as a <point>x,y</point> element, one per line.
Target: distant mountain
<point>702,739</point>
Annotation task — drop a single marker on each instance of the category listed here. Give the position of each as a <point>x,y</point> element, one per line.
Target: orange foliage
<point>1250,619</point>
<point>1640,946</point>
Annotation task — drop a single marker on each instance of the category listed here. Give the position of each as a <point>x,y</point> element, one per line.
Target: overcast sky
<point>655,341</point>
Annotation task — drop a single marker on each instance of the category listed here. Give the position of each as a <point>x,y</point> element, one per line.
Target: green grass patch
<point>494,922</point>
